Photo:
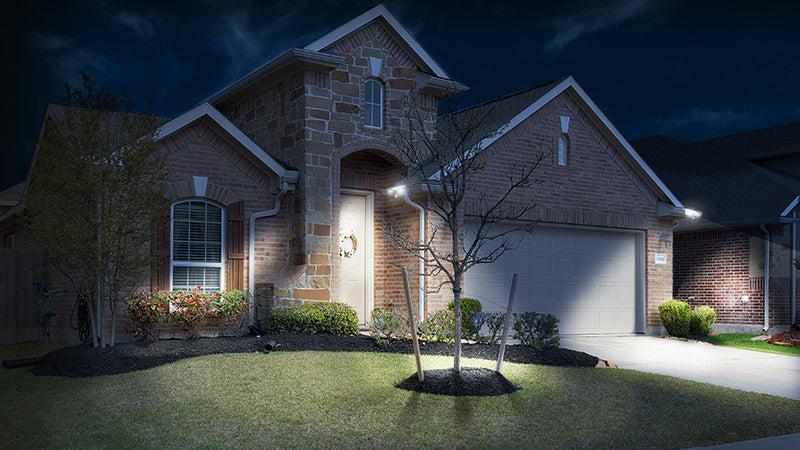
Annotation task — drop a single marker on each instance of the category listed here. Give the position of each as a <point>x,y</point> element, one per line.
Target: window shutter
<point>234,243</point>
<point>159,249</point>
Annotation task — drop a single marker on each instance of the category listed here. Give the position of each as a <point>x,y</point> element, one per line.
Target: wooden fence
<point>22,280</point>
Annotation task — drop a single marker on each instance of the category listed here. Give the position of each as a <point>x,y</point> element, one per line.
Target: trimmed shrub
<point>439,326</point>
<point>147,311</point>
<point>190,309</point>
<point>537,330</point>
<point>676,317</point>
<point>703,317</point>
<point>230,306</point>
<point>494,322</point>
<point>387,323</point>
<point>469,306</point>
<point>314,318</point>
<point>338,318</point>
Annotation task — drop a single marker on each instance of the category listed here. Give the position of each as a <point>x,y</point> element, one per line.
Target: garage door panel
<point>586,278</point>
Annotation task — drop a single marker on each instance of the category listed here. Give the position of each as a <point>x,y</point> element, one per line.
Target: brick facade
<point>719,267</point>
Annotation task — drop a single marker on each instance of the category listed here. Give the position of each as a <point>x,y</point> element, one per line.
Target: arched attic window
<point>197,254</point>
<point>373,103</point>
<point>563,149</point>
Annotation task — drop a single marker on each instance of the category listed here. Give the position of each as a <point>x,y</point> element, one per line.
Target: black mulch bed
<point>470,381</point>
<point>85,361</point>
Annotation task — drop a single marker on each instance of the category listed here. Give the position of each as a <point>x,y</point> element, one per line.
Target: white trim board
<point>369,16</point>
<point>570,82</point>
<point>791,207</point>
<point>206,110</point>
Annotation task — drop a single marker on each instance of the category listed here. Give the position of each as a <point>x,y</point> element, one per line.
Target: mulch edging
<point>86,361</point>
<point>469,381</point>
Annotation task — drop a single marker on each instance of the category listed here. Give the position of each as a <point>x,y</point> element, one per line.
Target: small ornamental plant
<point>146,313</point>
<point>190,309</point>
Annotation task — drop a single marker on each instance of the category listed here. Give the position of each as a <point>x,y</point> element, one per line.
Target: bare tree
<point>95,190</point>
<point>444,161</point>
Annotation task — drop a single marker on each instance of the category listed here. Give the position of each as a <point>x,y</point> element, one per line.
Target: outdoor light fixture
<point>397,191</point>
<point>692,213</point>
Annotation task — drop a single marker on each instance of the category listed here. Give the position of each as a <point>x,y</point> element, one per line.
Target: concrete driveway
<point>739,369</point>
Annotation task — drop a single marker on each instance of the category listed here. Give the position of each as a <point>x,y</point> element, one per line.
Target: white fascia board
<point>791,207</point>
<point>369,16</point>
<point>206,110</point>
<point>550,95</point>
<point>274,64</point>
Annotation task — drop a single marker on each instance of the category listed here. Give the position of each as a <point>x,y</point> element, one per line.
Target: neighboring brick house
<point>747,186</point>
<point>292,163</point>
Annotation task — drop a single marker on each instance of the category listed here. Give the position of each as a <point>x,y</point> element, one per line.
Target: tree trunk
<point>113,324</point>
<point>98,313</point>
<point>92,323</point>
<point>457,316</point>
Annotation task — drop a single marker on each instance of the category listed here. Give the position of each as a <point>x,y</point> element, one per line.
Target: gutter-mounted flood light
<point>692,213</point>
<point>397,191</point>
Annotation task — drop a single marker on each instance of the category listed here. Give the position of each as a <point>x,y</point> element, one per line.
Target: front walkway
<point>739,369</point>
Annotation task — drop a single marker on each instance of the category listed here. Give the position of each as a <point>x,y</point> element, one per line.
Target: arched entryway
<point>365,267</point>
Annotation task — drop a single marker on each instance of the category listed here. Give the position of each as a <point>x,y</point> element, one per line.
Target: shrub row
<point>530,328</point>
<point>150,311</point>
<point>314,318</point>
<point>680,320</point>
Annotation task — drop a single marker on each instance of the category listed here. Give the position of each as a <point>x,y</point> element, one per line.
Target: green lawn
<point>743,341</point>
<point>325,399</point>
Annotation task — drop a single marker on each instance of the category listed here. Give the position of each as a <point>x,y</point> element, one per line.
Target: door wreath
<point>348,243</point>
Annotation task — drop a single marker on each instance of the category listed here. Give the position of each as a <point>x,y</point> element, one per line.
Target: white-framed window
<point>198,251</point>
<point>373,103</point>
<point>563,150</point>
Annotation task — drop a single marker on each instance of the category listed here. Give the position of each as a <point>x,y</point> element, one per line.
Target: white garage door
<point>586,278</point>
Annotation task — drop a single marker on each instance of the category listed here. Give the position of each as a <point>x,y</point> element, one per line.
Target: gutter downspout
<point>793,269</point>
<point>252,244</point>
<point>766,275</point>
<point>421,210</point>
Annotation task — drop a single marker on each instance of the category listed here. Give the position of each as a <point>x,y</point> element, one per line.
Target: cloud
<point>247,42</point>
<point>585,23</point>
<point>137,23</point>
<point>66,59</point>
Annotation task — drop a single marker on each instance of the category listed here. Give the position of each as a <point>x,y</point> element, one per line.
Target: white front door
<point>354,223</point>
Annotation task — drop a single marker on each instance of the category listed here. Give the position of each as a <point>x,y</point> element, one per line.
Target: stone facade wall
<point>715,268</point>
<point>311,121</point>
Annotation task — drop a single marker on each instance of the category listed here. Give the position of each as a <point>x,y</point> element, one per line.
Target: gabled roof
<point>379,11</point>
<point>512,110</point>
<point>728,177</point>
<point>206,110</point>
<point>12,195</point>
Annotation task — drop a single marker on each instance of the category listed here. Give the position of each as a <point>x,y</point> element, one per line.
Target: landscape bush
<point>537,330</point>
<point>386,323</point>
<point>494,322</point>
<point>147,311</point>
<point>150,311</point>
<point>702,319</point>
<point>314,318</point>
<point>439,326</point>
<point>676,316</point>
<point>469,306</point>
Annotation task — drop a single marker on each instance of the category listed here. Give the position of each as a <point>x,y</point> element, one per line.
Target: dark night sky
<point>690,69</point>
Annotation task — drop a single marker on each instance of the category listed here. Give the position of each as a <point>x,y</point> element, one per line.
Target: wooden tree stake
<point>507,323</point>
<point>412,322</point>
